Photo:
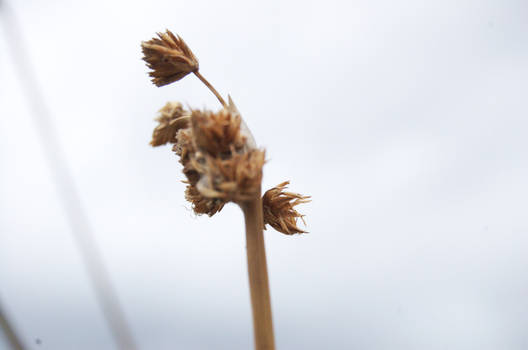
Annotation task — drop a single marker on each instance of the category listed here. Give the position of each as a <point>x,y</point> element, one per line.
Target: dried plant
<point>222,164</point>
<point>169,57</point>
<point>279,210</point>
<point>171,119</point>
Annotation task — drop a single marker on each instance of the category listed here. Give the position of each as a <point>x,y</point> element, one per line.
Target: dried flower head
<point>172,117</point>
<point>201,204</point>
<point>279,212</point>
<point>217,133</point>
<point>236,179</point>
<point>217,152</point>
<point>219,155</point>
<point>230,167</point>
<point>169,57</point>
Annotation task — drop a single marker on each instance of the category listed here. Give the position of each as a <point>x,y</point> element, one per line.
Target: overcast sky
<point>406,121</point>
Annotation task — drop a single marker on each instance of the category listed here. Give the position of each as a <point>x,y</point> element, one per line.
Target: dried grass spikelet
<point>201,204</point>
<point>219,159</point>
<point>217,133</point>
<point>235,179</point>
<point>169,57</point>
<point>279,212</point>
<point>185,148</point>
<point>172,117</point>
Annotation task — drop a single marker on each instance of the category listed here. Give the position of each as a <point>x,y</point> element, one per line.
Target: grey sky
<point>406,122</point>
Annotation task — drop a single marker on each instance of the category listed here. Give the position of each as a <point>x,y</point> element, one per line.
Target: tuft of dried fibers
<point>279,209</point>
<point>169,57</point>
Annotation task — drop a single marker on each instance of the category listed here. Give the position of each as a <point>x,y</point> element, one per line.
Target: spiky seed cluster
<point>221,164</point>
<point>172,117</point>
<point>218,161</point>
<point>219,155</point>
<point>279,211</point>
<point>201,204</point>
<point>235,179</point>
<point>169,57</point>
<point>218,133</point>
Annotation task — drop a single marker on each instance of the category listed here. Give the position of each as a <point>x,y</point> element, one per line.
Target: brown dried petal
<point>172,117</point>
<point>279,212</point>
<point>169,57</point>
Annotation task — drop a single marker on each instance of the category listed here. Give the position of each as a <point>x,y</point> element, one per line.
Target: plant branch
<point>67,192</point>
<point>12,336</point>
<point>258,274</point>
<point>211,87</point>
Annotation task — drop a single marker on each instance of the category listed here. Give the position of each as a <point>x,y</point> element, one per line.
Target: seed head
<point>220,159</point>
<point>279,212</point>
<point>201,204</point>
<point>172,117</point>
<point>224,156</point>
<point>169,57</point>
<point>218,154</point>
<point>235,179</point>
<point>217,133</point>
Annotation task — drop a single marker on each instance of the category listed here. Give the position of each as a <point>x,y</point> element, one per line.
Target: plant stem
<point>213,90</point>
<point>64,182</point>
<point>258,274</point>
<point>10,333</point>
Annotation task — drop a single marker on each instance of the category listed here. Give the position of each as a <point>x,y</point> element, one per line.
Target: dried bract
<point>236,179</point>
<point>186,150</point>
<point>172,117</point>
<point>217,133</point>
<point>219,160</point>
<point>279,212</point>
<point>169,57</point>
<point>201,204</point>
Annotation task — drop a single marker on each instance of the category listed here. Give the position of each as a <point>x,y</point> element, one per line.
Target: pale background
<point>406,121</point>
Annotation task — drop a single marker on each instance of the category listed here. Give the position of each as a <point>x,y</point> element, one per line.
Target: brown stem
<point>10,333</point>
<point>258,275</point>
<point>213,90</point>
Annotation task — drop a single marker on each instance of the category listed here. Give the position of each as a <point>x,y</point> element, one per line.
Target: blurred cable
<point>11,334</point>
<point>64,183</point>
